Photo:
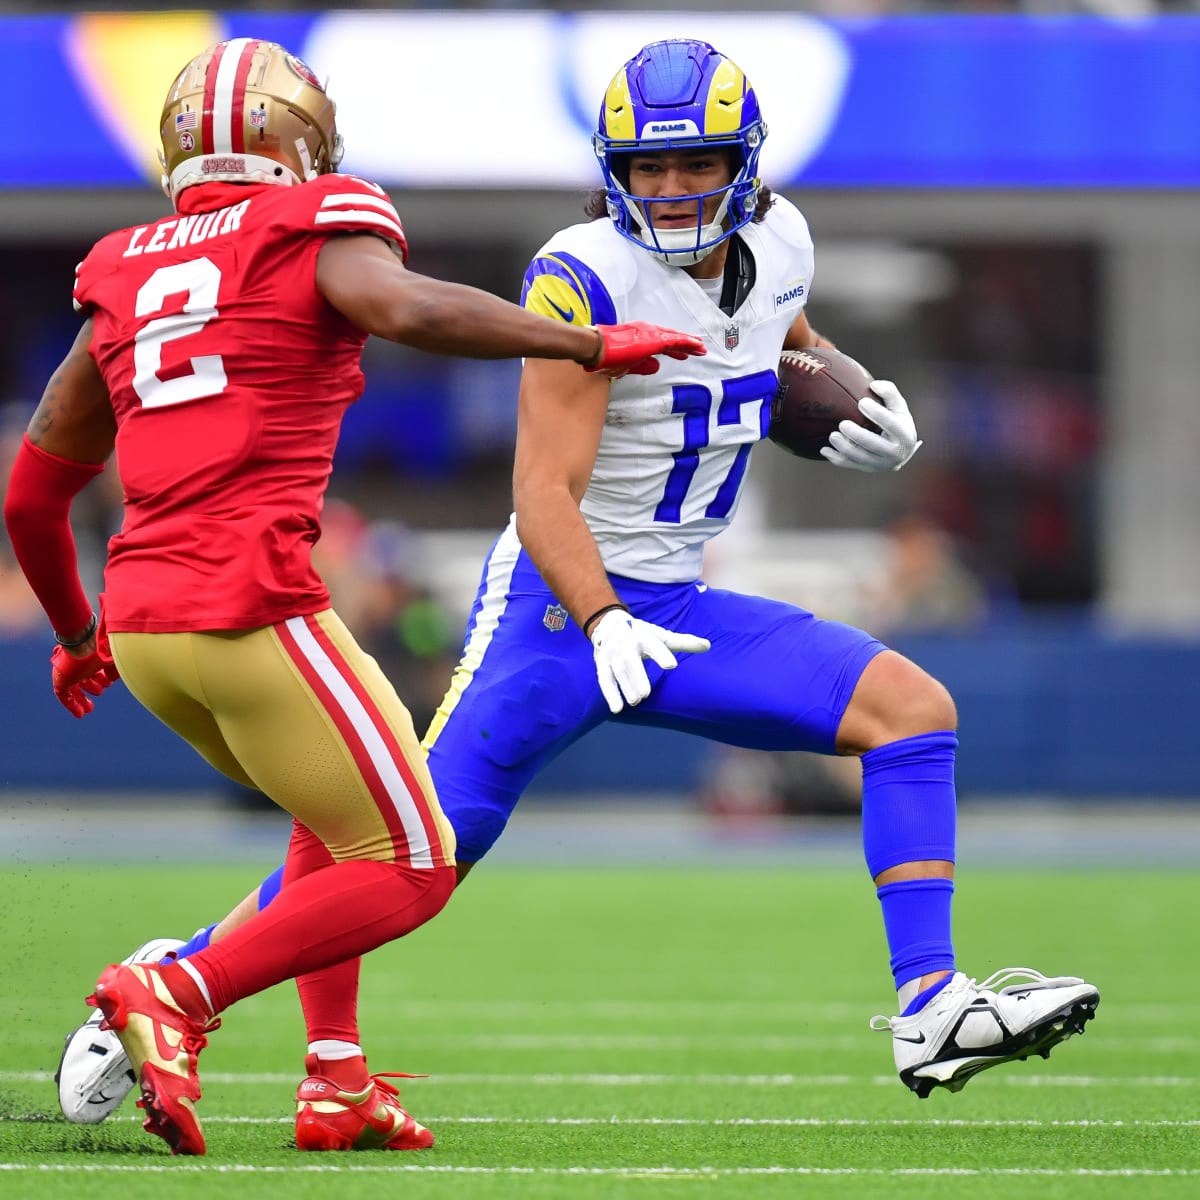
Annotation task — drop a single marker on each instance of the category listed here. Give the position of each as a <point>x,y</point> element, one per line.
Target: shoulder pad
<point>785,219</point>
<point>347,204</point>
<point>577,275</point>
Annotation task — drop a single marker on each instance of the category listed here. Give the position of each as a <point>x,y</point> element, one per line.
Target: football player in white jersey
<point>594,588</point>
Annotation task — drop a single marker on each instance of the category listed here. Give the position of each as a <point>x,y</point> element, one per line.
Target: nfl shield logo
<point>731,337</point>
<point>555,619</point>
<point>258,118</point>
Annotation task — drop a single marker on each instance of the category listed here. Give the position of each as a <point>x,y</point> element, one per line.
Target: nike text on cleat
<point>94,1075</point>
<point>328,1118</point>
<point>968,1027</point>
<point>162,1043</point>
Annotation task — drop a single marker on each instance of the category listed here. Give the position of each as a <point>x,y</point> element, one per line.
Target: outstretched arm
<point>364,279</point>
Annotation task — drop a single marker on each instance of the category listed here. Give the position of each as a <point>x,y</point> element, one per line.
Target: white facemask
<point>678,247</point>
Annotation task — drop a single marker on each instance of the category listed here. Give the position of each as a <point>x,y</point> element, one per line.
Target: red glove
<point>75,680</point>
<point>630,349</point>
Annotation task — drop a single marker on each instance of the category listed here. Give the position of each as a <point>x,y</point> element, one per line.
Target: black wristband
<point>87,633</point>
<point>587,625</point>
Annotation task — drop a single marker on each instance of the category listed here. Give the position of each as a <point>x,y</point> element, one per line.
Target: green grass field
<point>638,1033</point>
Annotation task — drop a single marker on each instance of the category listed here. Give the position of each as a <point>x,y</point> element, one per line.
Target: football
<point>819,388</point>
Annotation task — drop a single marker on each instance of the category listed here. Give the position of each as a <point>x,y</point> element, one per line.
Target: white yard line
<point>603,1172</point>
<point>738,1122</point>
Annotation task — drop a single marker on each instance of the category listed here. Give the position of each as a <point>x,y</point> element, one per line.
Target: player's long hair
<point>596,205</point>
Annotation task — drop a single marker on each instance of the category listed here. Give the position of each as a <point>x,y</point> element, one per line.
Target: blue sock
<point>908,807</point>
<point>909,816</point>
<point>923,998</point>
<point>916,918</point>
<point>269,888</point>
<point>267,891</point>
<point>199,941</point>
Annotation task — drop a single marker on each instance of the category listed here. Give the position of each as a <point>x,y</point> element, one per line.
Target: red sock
<point>324,918</point>
<point>329,998</point>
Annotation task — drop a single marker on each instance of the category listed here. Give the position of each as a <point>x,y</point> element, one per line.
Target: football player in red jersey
<point>219,351</point>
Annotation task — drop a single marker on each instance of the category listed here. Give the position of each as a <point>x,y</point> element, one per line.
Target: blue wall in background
<point>1044,708</point>
<point>1059,709</point>
<point>957,101</point>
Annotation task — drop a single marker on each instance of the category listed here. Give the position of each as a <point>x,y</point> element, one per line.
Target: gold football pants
<point>300,712</point>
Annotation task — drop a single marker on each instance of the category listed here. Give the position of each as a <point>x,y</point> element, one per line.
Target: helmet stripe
<point>237,118</point>
<point>210,87</point>
<point>619,121</point>
<point>723,110</point>
<point>219,89</point>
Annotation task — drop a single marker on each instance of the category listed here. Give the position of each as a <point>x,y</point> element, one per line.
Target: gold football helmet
<point>247,111</point>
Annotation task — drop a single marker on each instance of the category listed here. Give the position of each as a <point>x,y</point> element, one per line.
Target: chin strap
<point>688,254</point>
<point>678,247</point>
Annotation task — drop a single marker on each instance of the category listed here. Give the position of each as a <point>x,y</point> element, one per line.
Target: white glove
<point>619,643</point>
<point>850,445</point>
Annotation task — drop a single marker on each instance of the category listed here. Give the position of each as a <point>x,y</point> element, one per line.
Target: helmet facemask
<point>247,111</point>
<point>679,96</point>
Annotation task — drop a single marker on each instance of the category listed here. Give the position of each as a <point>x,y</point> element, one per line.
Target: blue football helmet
<point>677,95</point>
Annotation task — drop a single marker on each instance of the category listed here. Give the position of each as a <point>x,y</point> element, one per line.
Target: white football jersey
<point>676,444</point>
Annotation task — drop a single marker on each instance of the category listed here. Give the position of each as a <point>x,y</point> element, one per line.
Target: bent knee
<point>931,709</point>
<point>894,699</point>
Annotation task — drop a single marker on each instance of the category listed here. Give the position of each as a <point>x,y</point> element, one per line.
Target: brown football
<point>819,388</point>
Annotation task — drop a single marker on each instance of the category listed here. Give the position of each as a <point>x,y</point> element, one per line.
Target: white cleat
<point>94,1074</point>
<point>968,1027</point>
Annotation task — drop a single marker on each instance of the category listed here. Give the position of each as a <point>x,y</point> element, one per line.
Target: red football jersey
<point>229,375</point>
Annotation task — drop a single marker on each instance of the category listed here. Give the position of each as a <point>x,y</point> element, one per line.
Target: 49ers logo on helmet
<point>304,71</point>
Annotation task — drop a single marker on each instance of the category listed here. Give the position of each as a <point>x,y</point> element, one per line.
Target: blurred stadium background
<point>1004,202</point>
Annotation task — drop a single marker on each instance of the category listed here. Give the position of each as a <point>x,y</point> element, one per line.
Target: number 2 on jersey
<point>695,402</point>
<point>201,280</point>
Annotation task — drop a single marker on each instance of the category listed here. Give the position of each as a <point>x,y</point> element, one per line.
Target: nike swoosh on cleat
<point>917,1041</point>
<point>168,1051</point>
<point>567,315</point>
<point>390,1122</point>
